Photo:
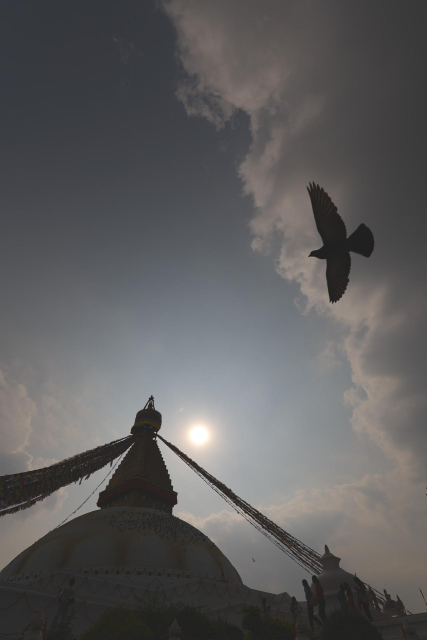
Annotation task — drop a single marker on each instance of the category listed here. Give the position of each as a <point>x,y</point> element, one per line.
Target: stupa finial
<point>329,561</point>
<point>150,403</point>
<point>148,420</point>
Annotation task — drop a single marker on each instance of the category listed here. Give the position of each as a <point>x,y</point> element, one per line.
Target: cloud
<point>63,424</point>
<point>17,410</point>
<point>325,88</point>
<point>40,431</point>
<point>358,520</point>
<point>315,100</point>
<point>215,523</point>
<point>328,358</point>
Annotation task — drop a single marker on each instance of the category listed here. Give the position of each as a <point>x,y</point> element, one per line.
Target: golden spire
<point>142,479</point>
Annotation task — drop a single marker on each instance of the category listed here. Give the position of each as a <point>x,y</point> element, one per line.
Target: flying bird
<point>336,246</point>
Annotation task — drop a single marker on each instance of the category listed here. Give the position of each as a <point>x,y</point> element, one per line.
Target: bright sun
<point>198,435</point>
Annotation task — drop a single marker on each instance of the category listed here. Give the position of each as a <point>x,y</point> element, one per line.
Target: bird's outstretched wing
<point>337,272</point>
<point>329,223</point>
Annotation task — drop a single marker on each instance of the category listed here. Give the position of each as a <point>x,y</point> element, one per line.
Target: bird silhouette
<point>336,246</point>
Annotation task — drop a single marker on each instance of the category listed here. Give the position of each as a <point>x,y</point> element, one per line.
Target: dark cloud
<point>327,92</point>
<point>333,94</point>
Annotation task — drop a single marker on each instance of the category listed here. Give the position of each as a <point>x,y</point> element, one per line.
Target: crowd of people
<point>315,598</point>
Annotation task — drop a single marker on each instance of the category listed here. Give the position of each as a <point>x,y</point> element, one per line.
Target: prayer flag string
<point>299,552</point>
<point>303,555</point>
<point>22,490</point>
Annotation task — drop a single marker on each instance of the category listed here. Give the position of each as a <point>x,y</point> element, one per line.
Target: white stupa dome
<point>125,539</point>
<point>134,531</point>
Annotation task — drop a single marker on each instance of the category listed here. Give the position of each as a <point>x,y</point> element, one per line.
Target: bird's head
<point>314,254</point>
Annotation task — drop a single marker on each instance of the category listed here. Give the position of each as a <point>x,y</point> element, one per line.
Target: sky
<point>155,234</point>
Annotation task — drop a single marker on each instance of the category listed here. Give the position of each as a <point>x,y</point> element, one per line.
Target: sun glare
<point>199,435</point>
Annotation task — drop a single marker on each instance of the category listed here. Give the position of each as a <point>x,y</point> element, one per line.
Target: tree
<point>260,627</point>
<point>118,623</point>
<point>194,623</point>
<point>350,625</point>
<point>152,620</point>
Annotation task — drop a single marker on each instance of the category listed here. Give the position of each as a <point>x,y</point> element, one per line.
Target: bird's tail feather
<point>361,241</point>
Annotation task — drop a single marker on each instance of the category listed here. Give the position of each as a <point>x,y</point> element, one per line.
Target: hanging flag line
<point>22,490</point>
<point>299,552</point>
<point>89,496</point>
<point>303,555</point>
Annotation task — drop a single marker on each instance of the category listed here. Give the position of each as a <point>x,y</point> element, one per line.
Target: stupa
<point>133,550</point>
<point>130,550</point>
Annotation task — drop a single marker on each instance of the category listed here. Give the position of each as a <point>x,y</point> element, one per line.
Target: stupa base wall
<point>94,595</point>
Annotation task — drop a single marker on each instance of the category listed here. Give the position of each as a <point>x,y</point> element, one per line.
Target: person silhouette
<point>349,595</point>
<point>265,608</point>
<point>364,597</point>
<point>66,597</point>
<point>310,605</point>
<point>295,608</point>
<point>342,598</point>
<point>319,597</point>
